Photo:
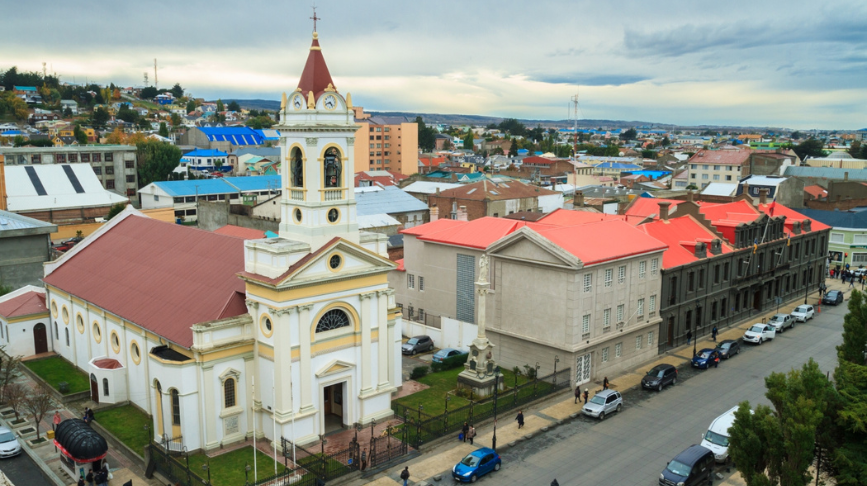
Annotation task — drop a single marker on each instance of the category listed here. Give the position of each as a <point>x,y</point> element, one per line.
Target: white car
<point>9,445</point>
<point>803,313</point>
<point>759,333</point>
<point>782,321</point>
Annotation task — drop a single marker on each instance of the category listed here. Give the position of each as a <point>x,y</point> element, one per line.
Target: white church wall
<point>138,376</point>
<point>412,328</point>
<point>19,336</point>
<point>230,423</point>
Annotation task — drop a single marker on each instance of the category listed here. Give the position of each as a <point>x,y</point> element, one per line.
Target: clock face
<point>330,102</point>
<point>296,102</point>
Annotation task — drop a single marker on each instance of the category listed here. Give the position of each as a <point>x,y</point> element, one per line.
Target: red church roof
<point>240,232</point>
<point>26,304</point>
<point>315,77</point>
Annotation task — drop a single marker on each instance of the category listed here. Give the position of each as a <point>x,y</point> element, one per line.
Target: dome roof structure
<point>79,442</point>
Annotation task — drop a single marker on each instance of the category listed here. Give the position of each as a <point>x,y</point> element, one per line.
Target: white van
<point>717,436</point>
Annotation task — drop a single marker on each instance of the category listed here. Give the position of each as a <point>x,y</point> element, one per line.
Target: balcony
<point>332,194</point>
<point>297,195</point>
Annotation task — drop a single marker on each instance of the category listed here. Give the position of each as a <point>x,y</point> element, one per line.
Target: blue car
<point>476,464</point>
<point>442,354</point>
<point>706,358</point>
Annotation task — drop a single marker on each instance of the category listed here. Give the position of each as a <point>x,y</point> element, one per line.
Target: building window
<point>723,305</point>
<point>466,275</point>
<point>109,170</point>
<point>726,271</point>
<point>701,278</point>
<point>652,303</point>
<point>716,274</point>
<point>411,312</point>
<point>67,337</point>
<point>176,408</point>
<point>410,281</point>
<point>109,157</point>
<point>105,387</point>
<point>585,324</point>
<point>421,283</point>
<point>609,274</point>
<point>96,157</point>
<point>640,308</point>
<point>109,183</point>
<point>84,158</point>
<point>642,267</point>
<point>620,313</point>
<point>229,393</point>
<point>130,164</point>
<point>638,340</point>
<point>421,315</point>
<point>621,274</point>
<point>588,282</point>
<point>650,338</point>
<point>97,170</point>
<point>837,237</point>
<point>690,282</point>
<point>130,178</point>
<point>130,192</point>
<point>333,319</point>
<point>56,331</point>
<point>606,318</point>
<point>618,350</point>
<point>605,355</point>
<point>654,266</point>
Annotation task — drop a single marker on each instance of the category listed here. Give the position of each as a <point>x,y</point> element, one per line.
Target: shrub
<point>418,372</point>
<point>530,371</point>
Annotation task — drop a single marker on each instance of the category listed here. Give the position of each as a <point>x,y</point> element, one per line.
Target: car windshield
<point>723,346</point>
<point>757,329</point>
<point>704,355</point>
<point>678,468</point>
<point>656,373</point>
<point>801,309</point>
<point>6,437</point>
<point>470,460</point>
<point>412,341</point>
<point>717,439</point>
<point>598,400</point>
<point>832,293</point>
<point>779,317</point>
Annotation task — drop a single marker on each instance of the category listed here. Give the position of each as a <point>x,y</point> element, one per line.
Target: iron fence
<point>173,464</point>
<point>389,446</point>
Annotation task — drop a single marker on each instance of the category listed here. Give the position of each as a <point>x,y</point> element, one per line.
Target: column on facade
<point>366,340</point>
<point>209,406</point>
<point>390,342</point>
<point>283,359</point>
<point>385,346</point>
<point>304,327</point>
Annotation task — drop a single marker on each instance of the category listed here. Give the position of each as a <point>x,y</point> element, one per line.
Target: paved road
<point>22,471</point>
<point>632,449</point>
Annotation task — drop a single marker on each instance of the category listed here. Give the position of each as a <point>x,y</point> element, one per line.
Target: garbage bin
<point>63,387</point>
<point>49,434</point>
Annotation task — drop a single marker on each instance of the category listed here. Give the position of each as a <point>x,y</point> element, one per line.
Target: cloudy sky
<point>790,63</point>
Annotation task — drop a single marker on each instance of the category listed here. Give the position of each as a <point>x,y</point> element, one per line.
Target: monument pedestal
<point>481,374</point>
<point>481,385</point>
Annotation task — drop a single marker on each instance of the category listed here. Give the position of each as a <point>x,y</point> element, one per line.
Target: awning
<point>77,441</point>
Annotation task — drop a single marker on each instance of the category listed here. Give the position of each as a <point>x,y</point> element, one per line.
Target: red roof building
<point>240,232</point>
<point>816,192</point>
<point>26,304</point>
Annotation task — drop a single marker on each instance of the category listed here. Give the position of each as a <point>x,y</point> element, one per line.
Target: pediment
<point>353,261</point>
<point>333,367</point>
<point>528,246</point>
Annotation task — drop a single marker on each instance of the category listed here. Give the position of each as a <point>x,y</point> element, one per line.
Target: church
<point>221,339</point>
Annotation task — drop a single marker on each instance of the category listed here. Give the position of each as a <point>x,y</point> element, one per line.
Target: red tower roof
<point>315,77</point>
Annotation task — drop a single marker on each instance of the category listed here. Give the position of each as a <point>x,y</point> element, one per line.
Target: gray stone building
<point>25,244</point>
<point>116,166</point>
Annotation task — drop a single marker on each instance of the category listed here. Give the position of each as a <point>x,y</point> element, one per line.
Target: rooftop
<point>315,77</point>
<point>680,235</point>
<point>56,186</point>
<point>224,185</point>
<point>236,135</point>
<point>387,200</point>
<point>10,222</point>
<point>488,190</point>
<point>205,153</point>
<point>720,157</point>
<point>24,302</point>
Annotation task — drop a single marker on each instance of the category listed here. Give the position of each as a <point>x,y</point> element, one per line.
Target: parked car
<point>833,297</point>
<point>442,354</point>
<point>728,348</point>
<point>659,376</point>
<point>706,358</point>
<point>603,403</point>
<point>417,344</point>
<point>691,467</point>
<point>717,436</point>
<point>476,464</point>
<point>759,333</point>
<point>9,445</point>
<point>782,321</point>
<point>803,313</point>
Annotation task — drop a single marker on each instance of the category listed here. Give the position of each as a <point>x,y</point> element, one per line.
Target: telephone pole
<point>156,79</point>
<point>575,125</point>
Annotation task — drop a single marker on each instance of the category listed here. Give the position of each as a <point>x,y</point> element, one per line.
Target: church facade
<point>221,339</point>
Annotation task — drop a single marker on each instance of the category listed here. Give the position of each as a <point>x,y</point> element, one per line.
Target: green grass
<point>433,399</point>
<point>127,423</point>
<point>228,469</point>
<point>56,369</point>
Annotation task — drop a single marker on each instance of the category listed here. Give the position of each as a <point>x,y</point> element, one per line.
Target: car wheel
<point>659,387</point>
<point>473,478</point>
<point>738,351</point>
<point>674,382</point>
<point>497,466</point>
<point>601,416</point>
<point>619,407</point>
<point>761,341</point>
<point>414,352</point>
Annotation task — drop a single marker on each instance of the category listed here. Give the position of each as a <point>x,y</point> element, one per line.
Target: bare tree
<point>15,395</point>
<point>38,403</point>
<point>8,371</point>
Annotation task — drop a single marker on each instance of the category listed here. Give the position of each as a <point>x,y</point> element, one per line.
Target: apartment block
<point>386,143</point>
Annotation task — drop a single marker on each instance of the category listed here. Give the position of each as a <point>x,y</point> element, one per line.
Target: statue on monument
<point>483,268</point>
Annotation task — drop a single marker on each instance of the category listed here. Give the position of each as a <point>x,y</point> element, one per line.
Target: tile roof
<point>28,303</point>
<point>680,235</point>
<point>487,190</point>
<point>240,232</point>
<point>163,277</point>
<point>816,191</point>
<point>315,76</point>
<point>649,206</point>
<point>791,216</point>
<point>720,157</point>
<point>536,160</point>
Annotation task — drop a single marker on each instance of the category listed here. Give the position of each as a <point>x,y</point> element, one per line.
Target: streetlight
<point>207,468</point>
<point>246,473</point>
<point>556,360</point>
<point>496,389</point>
<point>446,421</point>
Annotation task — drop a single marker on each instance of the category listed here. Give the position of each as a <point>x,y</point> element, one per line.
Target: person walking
<point>577,394</point>
<point>688,336</point>
<point>405,475</point>
<point>520,418</point>
<point>89,478</point>
<point>81,481</point>
<point>605,383</point>
<point>586,394</point>
<point>851,282</point>
<point>57,419</point>
<point>555,483</point>
<point>464,431</point>
<point>471,434</point>
<point>364,459</point>
<point>713,333</point>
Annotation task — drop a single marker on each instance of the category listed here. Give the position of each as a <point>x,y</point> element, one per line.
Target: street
<point>22,471</point>
<point>634,447</point>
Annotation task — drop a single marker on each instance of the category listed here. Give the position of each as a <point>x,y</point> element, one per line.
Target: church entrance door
<point>332,406</point>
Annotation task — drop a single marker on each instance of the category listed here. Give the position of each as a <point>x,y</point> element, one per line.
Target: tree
<point>469,140</point>
<point>156,161</point>
<point>191,106</point>
<point>176,120</point>
<point>648,154</point>
<point>38,403</point>
<point>234,106</point>
<point>513,147</point>
<point>144,124</point>
<point>666,142</point>
<point>855,149</point>
<point>14,394</point>
<point>164,131</point>
<point>220,107</point>
<point>67,112</point>
<point>513,127</point>
<point>79,134</point>
<point>809,148</point>
<point>177,91</point>
<point>127,115</point>
<point>629,134</point>
<point>5,289</point>
<point>99,117</point>
<point>426,136</point>
<point>8,372</point>
<point>115,210</point>
<point>796,135</point>
<point>149,93</point>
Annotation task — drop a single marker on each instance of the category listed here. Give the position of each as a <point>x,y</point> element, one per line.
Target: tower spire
<point>314,19</point>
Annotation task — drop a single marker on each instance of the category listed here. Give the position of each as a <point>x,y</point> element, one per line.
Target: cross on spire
<point>314,19</point>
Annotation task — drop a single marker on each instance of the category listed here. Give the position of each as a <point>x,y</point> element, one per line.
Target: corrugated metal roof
<point>427,187</point>
<point>225,185</point>
<point>376,221</point>
<point>52,186</point>
<point>826,173</point>
<point>235,135</point>
<point>719,189</point>
<point>157,275</point>
<point>11,221</point>
<point>205,153</point>
<point>25,304</point>
<point>390,200</point>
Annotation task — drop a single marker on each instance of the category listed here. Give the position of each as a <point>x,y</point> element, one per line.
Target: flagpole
<point>255,465</point>
<point>274,417</point>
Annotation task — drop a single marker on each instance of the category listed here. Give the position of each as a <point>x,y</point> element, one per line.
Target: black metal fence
<point>423,428</point>
<point>390,445</point>
<point>311,465</point>
<point>170,459</point>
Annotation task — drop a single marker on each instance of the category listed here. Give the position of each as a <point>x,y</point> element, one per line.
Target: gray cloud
<point>590,80</point>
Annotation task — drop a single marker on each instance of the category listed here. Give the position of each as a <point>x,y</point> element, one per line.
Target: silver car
<point>9,445</point>
<point>603,403</point>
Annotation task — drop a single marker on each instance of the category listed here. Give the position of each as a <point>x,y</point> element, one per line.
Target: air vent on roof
<point>3,222</point>
<point>495,193</point>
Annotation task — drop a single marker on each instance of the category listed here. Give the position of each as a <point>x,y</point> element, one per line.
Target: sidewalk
<point>550,413</point>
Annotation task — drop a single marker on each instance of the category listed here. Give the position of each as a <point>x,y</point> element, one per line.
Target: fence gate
<point>389,445</point>
<point>582,371</point>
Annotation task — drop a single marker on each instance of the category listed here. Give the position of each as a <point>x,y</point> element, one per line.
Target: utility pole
<point>145,79</point>
<point>575,126</point>
<point>156,79</point>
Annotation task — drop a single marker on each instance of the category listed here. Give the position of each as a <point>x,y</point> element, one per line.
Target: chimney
<point>454,210</point>
<point>700,249</point>
<point>845,176</point>
<point>2,183</point>
<point>621,207</point>
<point>434,213</point>
<point>663,210</point>
<point>763,195</point>
<point>462,214</point>
<point>689,196</point>
<point>579,199</point>
<point>796,227</point>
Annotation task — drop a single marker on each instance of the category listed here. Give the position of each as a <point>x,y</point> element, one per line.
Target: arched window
<point>105,386</point>
<point>229,392</point>
<point>67,336</point>
<point>333,319</point>
<point>176,408</point>
<point>56,331</point>
<point>333,168</point>
<point>297,168</point>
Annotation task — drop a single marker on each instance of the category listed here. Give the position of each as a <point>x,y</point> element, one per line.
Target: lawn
<point>127,423</point>
<point>228,469</point>
<point>56,369</point>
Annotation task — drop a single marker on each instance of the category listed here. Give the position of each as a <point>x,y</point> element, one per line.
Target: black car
<point>833,297</point>
<point>728,348</point>
<point>692,467</point>
<point>659,376</point>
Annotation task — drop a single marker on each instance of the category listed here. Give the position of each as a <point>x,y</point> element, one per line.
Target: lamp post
<point>446,419</point>
<point>247,473</point>
<point>496,389</point>
<point>556,360</point>
<point>207,468</point>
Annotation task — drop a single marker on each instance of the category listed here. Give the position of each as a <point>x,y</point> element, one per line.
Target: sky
<point>777,63</point>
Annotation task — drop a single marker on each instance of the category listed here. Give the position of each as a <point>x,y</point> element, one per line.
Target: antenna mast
<point>44,73</point>
<point>156,79</point>
<point>145,79</point>
<point>575,126</point>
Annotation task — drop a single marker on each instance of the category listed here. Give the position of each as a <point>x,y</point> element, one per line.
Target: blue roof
<point>225,185</point>
<point>837,219</point>
<point>255,183</point>
<point>826,172</point>
<point>653,174</point>
<point>235,135</point>
<point>268,134</point>
<point>24,88</point>
<point>618,165</point>
<point>523,151</point>
<point>389,200</point>
<point>206,153</point>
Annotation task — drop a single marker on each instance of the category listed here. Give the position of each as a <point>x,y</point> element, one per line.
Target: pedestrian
<point>86,414</point>
<point>57,419</point>
<point>107,471</point>
<point>81,481</point>
<point>586,393</point>
<point>520,418</point>
<point>464,431</point>
<point>577,394</point>
<point>713,333</point>
<point>688,336</point>
<point>555,483</point>
<point>364,459</point>
<point>715,358</point>
<point>471,434</point>
<point>837,271</point>
<point>605,383</point>
<point>405,475</point>
<point>851,283</point>
<point>89,477</point>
